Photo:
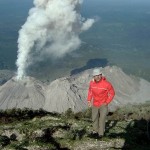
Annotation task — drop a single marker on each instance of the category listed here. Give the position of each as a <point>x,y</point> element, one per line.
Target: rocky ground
<point>126,128</point>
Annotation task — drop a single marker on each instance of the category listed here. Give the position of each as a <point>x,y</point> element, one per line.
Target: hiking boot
<point>100,136</point>
<point>95,135</point>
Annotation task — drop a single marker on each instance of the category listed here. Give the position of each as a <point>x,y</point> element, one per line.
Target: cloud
<point>52,29</point>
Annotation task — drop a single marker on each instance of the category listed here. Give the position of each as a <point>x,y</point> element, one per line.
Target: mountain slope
<point>71,91</point>
<point>28,93</point>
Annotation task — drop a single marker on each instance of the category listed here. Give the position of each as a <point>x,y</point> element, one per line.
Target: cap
<point>96,72</point>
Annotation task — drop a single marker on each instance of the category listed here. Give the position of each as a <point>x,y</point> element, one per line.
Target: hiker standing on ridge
<point>100,94</point>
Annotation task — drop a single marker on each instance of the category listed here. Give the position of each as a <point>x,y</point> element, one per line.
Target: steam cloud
<point>52,29</point>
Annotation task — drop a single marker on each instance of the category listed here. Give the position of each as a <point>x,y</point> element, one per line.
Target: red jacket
<point>101,92</point>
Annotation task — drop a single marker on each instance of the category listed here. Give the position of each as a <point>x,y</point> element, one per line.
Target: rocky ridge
<point>71,92</point>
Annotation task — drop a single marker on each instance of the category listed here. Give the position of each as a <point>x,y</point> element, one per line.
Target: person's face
<point>97,78</point>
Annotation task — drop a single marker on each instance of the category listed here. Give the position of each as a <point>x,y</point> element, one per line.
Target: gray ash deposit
<point>25,93</point>
<point>71,91</point>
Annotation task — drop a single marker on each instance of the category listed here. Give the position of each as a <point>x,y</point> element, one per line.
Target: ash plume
<point>51,30</point>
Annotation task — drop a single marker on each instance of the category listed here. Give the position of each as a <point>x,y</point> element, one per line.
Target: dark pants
<point>99,118</point>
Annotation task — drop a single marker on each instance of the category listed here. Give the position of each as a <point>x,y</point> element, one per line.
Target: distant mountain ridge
<point>71,91</point>
<point>5,75</point>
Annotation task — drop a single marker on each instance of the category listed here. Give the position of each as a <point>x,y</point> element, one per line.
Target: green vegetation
<point>127,128</point>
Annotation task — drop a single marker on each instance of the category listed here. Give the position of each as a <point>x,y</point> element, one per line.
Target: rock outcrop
<point>71,91</point>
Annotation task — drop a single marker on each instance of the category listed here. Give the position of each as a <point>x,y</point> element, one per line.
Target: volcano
<point>26,93</point>
<point>71,91</point>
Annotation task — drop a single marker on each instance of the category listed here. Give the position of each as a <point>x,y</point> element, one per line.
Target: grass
<point>42,130</point>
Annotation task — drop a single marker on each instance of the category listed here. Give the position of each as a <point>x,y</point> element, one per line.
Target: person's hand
<point>105,104</point>
<point>89,104</point>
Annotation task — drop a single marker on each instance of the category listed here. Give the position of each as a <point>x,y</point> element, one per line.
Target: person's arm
<point>111,94</point>
<point>89,98</point>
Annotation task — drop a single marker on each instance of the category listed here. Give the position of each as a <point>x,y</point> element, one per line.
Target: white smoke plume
<point>52,29</point>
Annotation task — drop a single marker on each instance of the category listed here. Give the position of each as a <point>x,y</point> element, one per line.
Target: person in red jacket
<point>100,94</point>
